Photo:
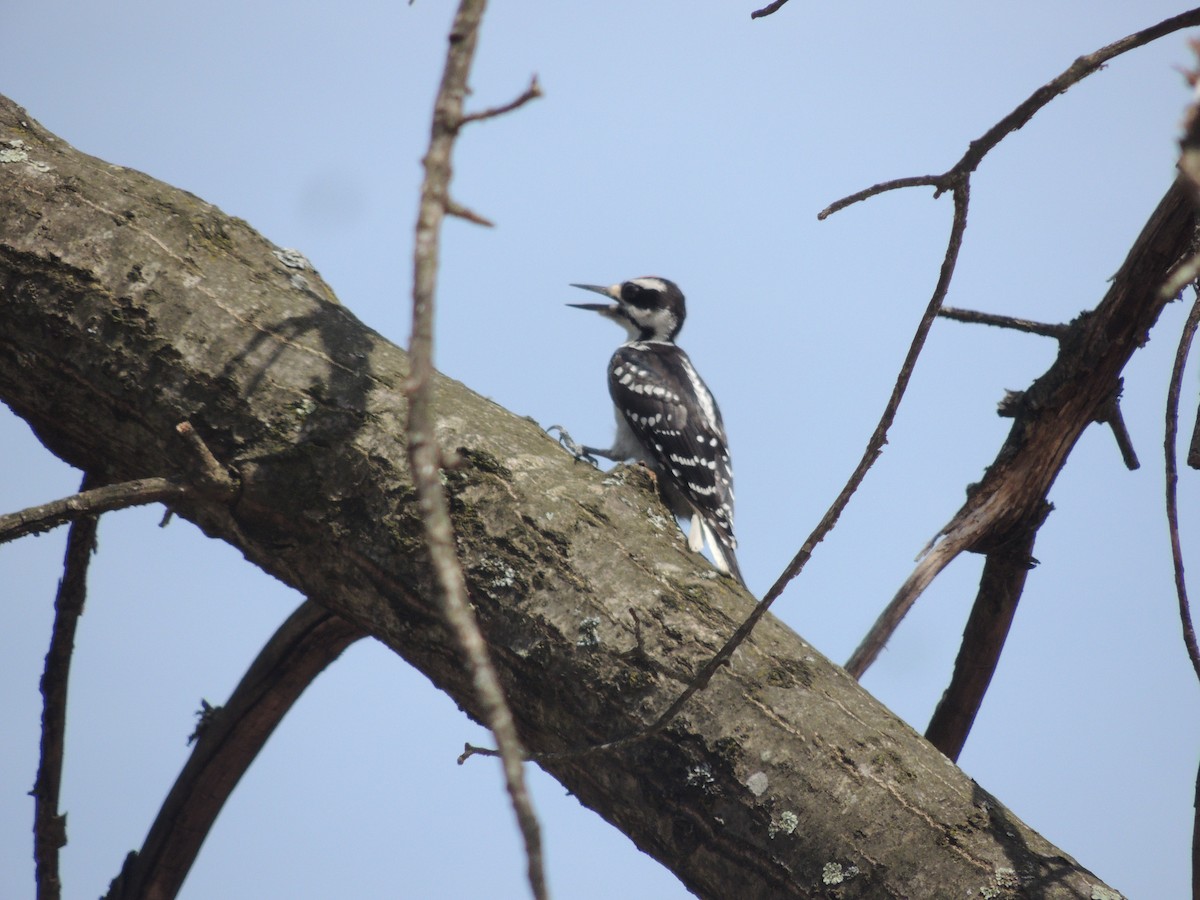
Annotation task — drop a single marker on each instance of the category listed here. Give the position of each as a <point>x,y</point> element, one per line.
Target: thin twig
<point>139,492</point>
<point>873,449</point>
<point>209,475</point>
<point>974,317</point>
<point>425,456</point>
<point>228,740</point>
<point>210,481</point>
<point>883,187</point>
<point>49,827</point>
<point>456,209</point>
<point>769,9</point>
<point>531,93</point>
<point>1080,69</point>
<point>1172,473</point>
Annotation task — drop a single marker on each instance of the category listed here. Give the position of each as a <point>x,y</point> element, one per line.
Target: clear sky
<point>682,140</point>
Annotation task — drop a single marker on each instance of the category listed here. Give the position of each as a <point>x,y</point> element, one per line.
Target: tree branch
<point>769,9</point>
<point>530,93</point>
<point>49,826</point>
<point>424,453</point>
<point>1051,415</point>
<point>1172,483</point>
<point>973,317</point>
<point>228,739</point>
<point>987,629</point>
<point>1080,69</point>
<point>139,492</point>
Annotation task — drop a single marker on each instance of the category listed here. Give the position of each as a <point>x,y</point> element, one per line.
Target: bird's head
<point>649,309</point>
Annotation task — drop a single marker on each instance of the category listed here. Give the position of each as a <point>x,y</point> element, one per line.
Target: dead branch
<point>1080,69</point>
<point>987,628</point>
<point>974,317</point>
<point>1052,414</point>
<point>425,455</point>
<point>139,492</point>
<point>49,826</point>
<point>228,739</point>
<point>1172,483</point>
<point>768,10</point>
<point>530,93</point>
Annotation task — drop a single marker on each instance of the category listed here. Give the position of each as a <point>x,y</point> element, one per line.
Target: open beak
<point>605,309</point>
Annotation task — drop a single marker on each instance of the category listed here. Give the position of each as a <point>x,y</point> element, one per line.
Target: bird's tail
<point>721,546</point>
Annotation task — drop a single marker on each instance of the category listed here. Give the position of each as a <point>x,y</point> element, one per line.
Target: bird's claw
<point>576,449</point>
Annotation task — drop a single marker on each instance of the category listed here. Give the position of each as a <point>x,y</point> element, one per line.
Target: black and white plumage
<point>666,415</point>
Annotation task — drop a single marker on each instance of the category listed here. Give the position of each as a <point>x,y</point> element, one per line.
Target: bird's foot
<point>576,449</point>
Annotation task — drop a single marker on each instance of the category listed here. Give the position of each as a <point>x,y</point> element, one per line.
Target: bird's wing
<point>677,421</point>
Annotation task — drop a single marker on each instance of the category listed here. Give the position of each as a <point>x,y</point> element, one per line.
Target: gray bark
<point>127,306</point>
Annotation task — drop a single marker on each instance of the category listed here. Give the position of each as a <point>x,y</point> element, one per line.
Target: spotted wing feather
<point>677,422</point>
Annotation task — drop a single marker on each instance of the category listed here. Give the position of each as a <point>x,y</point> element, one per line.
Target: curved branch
<point>228,739</point>
<point>1080,69</point>
<point>1172,483</point>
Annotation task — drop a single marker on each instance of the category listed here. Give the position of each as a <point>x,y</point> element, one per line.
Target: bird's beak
<point>604,309</point>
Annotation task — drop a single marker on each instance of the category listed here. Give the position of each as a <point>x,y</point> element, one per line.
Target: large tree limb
<point>127,306</point>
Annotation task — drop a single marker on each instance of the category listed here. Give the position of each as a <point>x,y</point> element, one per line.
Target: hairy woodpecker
<point>666,416</point>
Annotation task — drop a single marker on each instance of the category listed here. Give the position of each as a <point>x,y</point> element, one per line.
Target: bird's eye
<point>636,295</point>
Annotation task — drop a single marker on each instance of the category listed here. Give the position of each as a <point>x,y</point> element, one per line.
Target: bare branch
<point>1110,415</point>
<point>211,481</point>
<point>531,93</point>
<point>49,827</point>
<point>229,739</point>
<point>454,208</point>
<point>140,492</point>
<point>1052,414</point>
<point>211,477</point>
<point>1172,479</point>
<point>1080,69</point>
<point>769,9</point>
<point>973,317</point>
<point>987,629</point>
<point>425,456</point>
<point>881,188</point>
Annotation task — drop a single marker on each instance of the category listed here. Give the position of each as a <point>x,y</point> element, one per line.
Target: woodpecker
<point>666,415</point>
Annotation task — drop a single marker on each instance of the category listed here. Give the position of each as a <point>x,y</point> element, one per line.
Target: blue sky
<point>677,139</point>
